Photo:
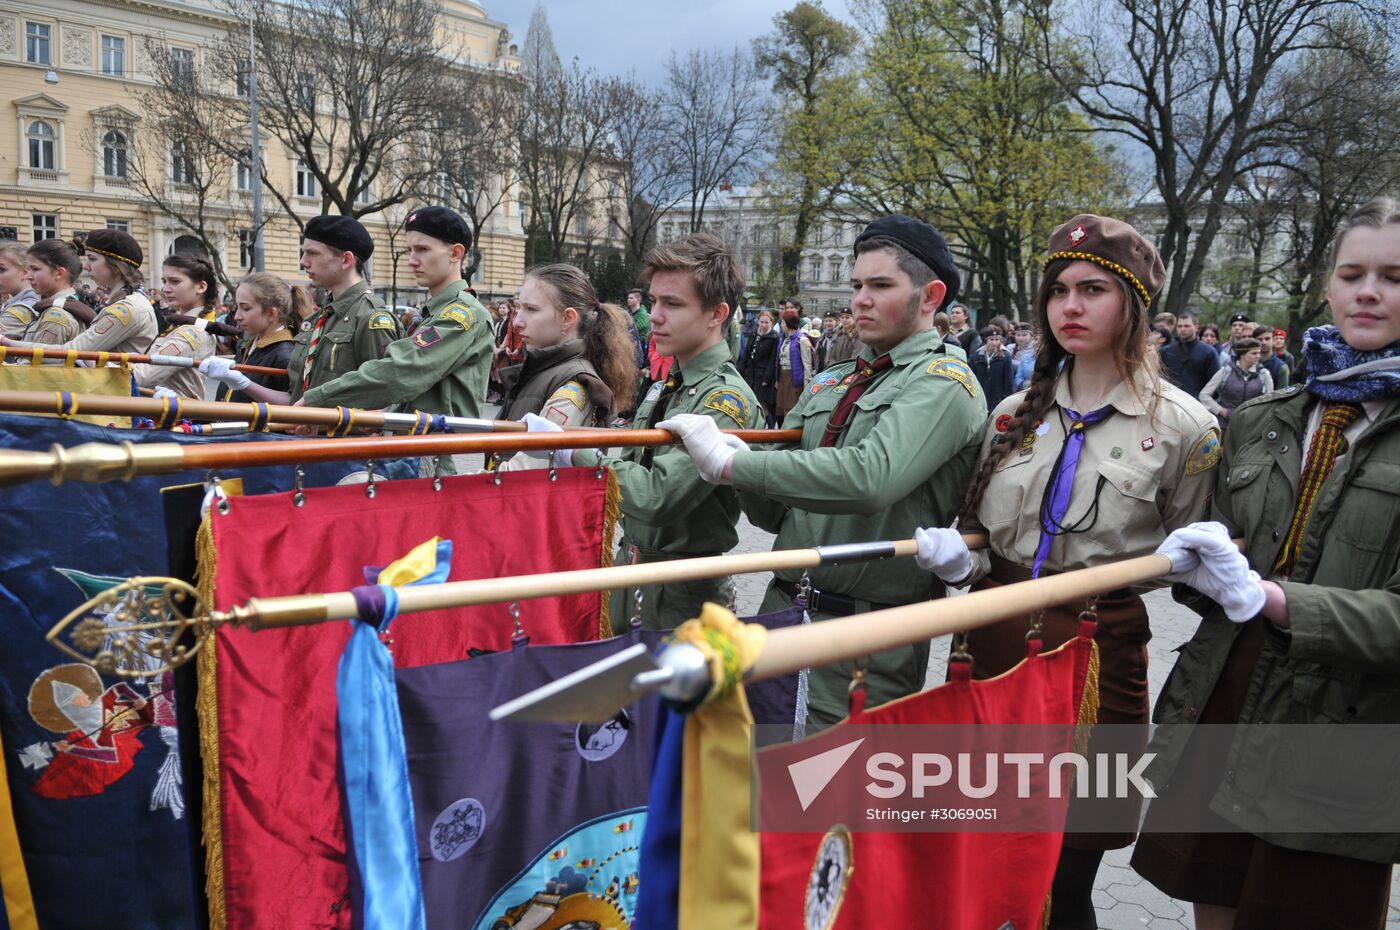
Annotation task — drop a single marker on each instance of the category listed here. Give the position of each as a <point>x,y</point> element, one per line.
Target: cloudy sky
<point>621,35</point>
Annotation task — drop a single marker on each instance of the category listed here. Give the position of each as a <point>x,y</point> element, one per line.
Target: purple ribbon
<point>1063,483</point>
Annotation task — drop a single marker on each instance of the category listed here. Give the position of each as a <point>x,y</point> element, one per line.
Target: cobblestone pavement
<point>1124,900</point>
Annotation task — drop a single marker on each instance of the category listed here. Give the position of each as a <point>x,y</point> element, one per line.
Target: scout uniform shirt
<point>18,313</point>
<point>442,369</point>
<point>184,341</point>
<point>668,510</point>
<point>902,462</point>
<point>347,332</point>
<point>127,324</point>
<point>54,325</point>
<point>1146,469</point>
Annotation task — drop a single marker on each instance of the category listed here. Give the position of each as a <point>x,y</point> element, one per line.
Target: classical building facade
<point>75,71</point>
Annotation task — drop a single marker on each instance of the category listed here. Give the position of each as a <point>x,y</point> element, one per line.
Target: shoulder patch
<point>730,403</point>
<point>20,313</point>
<point>956,370</point>
<point>427,336</point>
<point>382,320</point>
<point>1206,454</point>
<point>190,335</point>
<point>55,316</point>
<point>460,314</point>
<point>121,312</point>
<point>572,392</point>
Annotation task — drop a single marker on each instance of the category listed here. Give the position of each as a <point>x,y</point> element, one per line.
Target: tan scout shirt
<point>185,341</point>
<point>54,325</point>
<point>1151,470</point>
<point>125,325</point>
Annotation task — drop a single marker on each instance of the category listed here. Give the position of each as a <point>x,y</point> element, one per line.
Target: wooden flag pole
<point>124,358</point>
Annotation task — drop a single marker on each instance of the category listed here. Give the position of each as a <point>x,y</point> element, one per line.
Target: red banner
<point>272,807</point>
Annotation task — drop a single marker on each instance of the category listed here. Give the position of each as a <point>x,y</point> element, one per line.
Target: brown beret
<point>114,244</point>
<point>1116,246</point>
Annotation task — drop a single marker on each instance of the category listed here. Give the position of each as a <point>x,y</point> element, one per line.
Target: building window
<point>182,66</point>
<point>38,43</point>
<point>181,163</point>
<point>834,270</point>
<point>114,56</point>
<point>242,71</point>
<point>120,225</point>
<point>364,197</point>
<point>306,91</point>
<point>246,242</point>
<point>306,181</point>
<point>45,226</point>
<point>581,226</point>
<point>114,154</point>
<point>243,173</point>
<point>42,143</point>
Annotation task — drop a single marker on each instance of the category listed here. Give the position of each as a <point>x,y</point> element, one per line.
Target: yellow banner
<point>113,382</point>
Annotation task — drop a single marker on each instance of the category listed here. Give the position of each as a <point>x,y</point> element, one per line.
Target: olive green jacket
<point>902,462</point>
<point>1339,662</point>
<point>442,368</point>
<point>357,330</point>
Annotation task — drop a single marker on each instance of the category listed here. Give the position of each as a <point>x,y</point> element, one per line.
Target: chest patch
<point>460,314</point>
<point>1206,454</point>
<point>957,371</point>
<point>824,380</point>
<point>427,336</point>
<point>381,321</point>
<point>730,403</point>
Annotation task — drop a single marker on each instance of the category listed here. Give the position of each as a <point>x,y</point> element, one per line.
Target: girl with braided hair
<point>190,290</point>
<point>1097,460</point>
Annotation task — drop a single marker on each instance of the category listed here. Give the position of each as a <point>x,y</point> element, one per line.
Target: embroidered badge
<point>1206,454</point>
<point>121,312</point>
<point>305,324</point>
<point>571,392</point>
<point>381,321</point>
<point>824,380</point>
<point>596,741</point>
<point>828,881</point>
<point>654,392</point>
<point>1148,444</point>
<point>849,378</point>
<point>1003,422</point>
<point>427,336</point>
<point>957,371</point>
<point>457,829</point>
<point>55,316</point>
<point>460,314</point>
<point>189,334</point>
<point>1041,428</point>
<point>728,402</point>
<point>1077,235</point>
<point>1027,442</point>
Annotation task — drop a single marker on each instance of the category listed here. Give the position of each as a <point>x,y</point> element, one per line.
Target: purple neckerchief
<point>1063,482</point>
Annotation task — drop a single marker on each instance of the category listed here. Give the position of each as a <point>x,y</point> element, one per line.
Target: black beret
<point>1240,318</point>
<point>342,233</point>
<point>116,244</point>
<point>440,223</point>
<point>922,241</point>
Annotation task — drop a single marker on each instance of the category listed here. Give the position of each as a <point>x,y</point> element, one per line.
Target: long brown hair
<point>607,341</point>
<point>197,270</point>
<point>129,277</point>
<point>58,254</point>
<point>1131,354</point>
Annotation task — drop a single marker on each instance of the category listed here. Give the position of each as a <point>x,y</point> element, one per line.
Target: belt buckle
<point>814,599</point>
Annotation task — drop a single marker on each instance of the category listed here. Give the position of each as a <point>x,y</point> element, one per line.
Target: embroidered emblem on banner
<point>828,881</point>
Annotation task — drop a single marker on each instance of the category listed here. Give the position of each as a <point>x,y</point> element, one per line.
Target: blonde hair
<point>14,251</point>
<point>1373,214</point>
<point>271,292</point>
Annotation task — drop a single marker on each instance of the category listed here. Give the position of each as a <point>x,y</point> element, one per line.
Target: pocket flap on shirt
<point>1130,480</point>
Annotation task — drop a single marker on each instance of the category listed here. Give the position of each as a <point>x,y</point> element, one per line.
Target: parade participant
<point>18,310</point>
<point>53,266</point>
<point>352,329</point>
<point>888,441</point>
<point>579,357</point>
<point>263,312</point>
<point>443,367</point>
<point>112,259</point>
<point>188,286</point>
<point>668,511</point>
<point>1308,480</point>
<point>1098,460</point>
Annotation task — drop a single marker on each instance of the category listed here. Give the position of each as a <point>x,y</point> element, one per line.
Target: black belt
<point>827,602</point>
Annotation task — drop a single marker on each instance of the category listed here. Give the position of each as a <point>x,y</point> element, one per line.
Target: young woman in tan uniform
<point>190,290</point>
<point>1097,460</point>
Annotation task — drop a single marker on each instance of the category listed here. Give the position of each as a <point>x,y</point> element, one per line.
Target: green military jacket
<point>666,505</point>
<point>442,369</point>
<point>902,462</point>
<point>1339,662</point>
<point>357,330</point>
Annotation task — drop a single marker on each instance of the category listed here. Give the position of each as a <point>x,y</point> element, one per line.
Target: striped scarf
<point>1327,444</point>
<point>311,350</point>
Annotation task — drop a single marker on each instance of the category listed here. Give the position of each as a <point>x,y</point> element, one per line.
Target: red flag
<point>272,808</point>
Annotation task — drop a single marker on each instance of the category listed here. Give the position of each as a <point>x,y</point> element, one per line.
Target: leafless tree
<point>651,177</point>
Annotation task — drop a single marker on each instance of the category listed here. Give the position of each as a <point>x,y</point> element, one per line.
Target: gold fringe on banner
<point>207,709</point>
<point>612,509</point>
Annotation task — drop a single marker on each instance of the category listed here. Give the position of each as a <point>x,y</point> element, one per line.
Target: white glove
<point>943,552</point>
<point>1205,558</point>
<point>710,449</point>
<point>537,424</point>
<point>220,368</point>
<point>163,391</point>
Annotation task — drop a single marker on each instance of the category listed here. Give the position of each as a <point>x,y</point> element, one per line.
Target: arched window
<point>41,145</point>
<point>114,154</point>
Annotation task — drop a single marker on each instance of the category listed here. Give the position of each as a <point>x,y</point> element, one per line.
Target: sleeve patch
<point>730,403</point>
<point>19,313</point>
<point>956,370</point>
<point>121,311</point>
<point>1206,454</point>
<point>55,316</point>
<point>427,336</point>
<point>190,335</point>
<point>572,393</point>
<point>382,320</point>
<point>460,314</point>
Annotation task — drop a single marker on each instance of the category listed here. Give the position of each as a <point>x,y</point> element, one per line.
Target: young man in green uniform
<point>444,366</point>
<point>668,511</point>
<point>889,439</point>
